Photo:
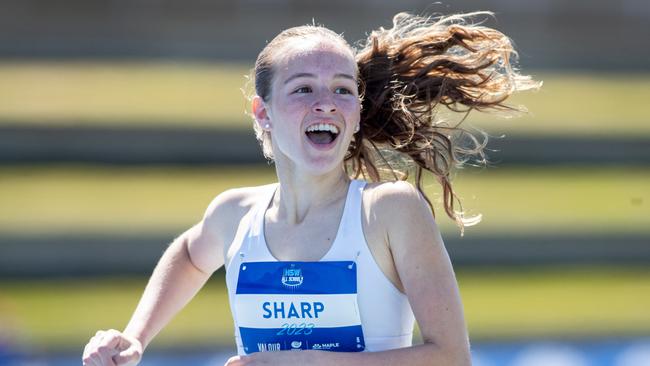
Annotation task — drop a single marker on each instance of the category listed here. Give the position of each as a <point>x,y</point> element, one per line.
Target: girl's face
<point>314,105</point>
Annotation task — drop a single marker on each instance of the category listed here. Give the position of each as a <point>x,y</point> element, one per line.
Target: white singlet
<point>385,314</point>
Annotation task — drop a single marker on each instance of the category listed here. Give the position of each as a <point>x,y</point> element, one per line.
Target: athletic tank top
<point>384,313</point>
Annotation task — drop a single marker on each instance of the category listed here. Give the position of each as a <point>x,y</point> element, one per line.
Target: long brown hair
<point>406,73</point>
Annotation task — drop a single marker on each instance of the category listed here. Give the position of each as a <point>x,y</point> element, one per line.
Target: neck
<point>299,192</point>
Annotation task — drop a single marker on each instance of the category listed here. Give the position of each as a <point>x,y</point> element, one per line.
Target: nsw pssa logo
<point>292,276</point>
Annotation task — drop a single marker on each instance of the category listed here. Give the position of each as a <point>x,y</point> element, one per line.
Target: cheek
<point>288,117</point>
<point>351,109</point>
<point>292,108</point>
<point>295,109</point>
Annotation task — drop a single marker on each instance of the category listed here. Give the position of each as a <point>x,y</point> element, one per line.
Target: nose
<point>324,104</point>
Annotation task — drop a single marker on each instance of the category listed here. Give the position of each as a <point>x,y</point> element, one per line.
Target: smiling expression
<point>314,105</point>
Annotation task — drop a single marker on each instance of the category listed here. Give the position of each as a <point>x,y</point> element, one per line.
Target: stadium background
<point>119,121</point>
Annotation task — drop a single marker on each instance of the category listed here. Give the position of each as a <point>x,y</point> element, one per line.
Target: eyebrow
<point>310,75</point>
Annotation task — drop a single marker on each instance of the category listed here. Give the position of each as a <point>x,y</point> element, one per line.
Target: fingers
<point>131,351</point>
<point>85,357</point>
<point>129,357</point>
<point>111,340</point>
<point>238,361</point>
<point>243,360</point>
<point>91,356</point>
<point>102,347</point>
<point>108,347</point>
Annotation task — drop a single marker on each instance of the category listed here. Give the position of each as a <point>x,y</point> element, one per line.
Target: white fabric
<point>386,315</point>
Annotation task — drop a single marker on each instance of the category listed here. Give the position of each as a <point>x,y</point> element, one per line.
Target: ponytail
<point>406,73</point>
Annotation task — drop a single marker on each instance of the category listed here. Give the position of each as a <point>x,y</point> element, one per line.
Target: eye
<point>303,89</point>
<point>343,90</point>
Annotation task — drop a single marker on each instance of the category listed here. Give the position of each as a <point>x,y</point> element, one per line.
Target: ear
<point>261,113</point>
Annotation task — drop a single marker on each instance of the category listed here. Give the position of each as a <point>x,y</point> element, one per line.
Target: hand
<point>112,348</point>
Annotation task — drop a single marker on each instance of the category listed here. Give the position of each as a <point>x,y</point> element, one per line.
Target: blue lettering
<point>267,311</point>
<point>318,307</point>
<point>305,307</point>
<point>278,310</point>
<point>293,313</point>
<point>288,310</point>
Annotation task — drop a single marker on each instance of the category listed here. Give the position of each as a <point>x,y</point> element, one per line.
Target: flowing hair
<point>406,74</point>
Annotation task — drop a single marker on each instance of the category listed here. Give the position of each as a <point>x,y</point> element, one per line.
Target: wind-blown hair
<point>406,74</point>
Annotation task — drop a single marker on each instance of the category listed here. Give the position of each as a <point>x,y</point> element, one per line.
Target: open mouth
<point>322,133</point>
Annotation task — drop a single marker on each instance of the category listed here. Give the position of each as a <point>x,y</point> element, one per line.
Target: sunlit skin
<point>310,176</point>
<point>311,84</point>
<point>314,82</point>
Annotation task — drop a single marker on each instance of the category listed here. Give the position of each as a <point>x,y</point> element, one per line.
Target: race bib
<point>298,305</point>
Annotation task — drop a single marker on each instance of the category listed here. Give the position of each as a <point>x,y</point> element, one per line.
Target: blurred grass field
<point>86,199</point>
<point>559,302</point>
<point>209,95</point>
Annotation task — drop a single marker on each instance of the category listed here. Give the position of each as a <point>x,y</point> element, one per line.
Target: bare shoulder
<point>403,216</point>
<point>228,208</point>
<point>400,230</point>
<point>396,201</point>
<point>210,239</point>
<point>231,205</point>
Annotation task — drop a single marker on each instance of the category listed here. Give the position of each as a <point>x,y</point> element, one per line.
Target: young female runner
<point>322,261</point>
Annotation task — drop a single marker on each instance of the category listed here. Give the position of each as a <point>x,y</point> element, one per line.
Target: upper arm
<point>424,267</point>
<point>207,239</point>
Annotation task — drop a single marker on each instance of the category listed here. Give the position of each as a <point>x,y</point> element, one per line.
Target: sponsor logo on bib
<point>326,346</point>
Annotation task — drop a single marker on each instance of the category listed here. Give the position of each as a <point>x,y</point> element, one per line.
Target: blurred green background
<point>562,252</point>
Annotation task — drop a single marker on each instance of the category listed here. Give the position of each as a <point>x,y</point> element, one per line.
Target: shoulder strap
<point>350,224</point>
<point>257,222</point>
<point>250,226</point>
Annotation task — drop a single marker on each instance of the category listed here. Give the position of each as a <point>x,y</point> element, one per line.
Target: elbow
<point>191,260</point>
<point>179,255</point>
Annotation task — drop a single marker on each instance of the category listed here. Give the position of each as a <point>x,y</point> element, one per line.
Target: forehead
<point>315,56</point>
